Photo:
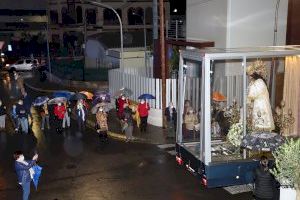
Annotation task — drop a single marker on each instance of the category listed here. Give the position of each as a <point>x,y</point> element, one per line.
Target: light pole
<point>120,21</point>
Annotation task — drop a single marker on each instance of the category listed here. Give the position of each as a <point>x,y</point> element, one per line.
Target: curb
<point>90,123</point>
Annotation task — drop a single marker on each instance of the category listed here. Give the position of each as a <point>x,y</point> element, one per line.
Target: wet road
<point>76,166</point>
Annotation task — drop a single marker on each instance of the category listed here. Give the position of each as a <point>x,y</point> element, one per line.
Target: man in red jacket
<point>143,109</point>
<point>59,113</point>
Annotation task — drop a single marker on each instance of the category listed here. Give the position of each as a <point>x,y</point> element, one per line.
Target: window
<point>79,14</point>
<point>135,16</point>
<point>110,18</point>
<point>53,17</point>
<point>91,16</point>
<point>28,61</point>
<point>64,15</point>
<point>148,15</point>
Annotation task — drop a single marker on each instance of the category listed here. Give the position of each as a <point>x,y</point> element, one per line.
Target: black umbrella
<point>262,141</point>
<point>78,96</point>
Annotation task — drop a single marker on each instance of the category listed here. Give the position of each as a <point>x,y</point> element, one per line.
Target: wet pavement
<point>77,166</point>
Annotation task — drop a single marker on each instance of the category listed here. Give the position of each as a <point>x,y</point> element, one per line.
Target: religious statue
<point>258,98</point>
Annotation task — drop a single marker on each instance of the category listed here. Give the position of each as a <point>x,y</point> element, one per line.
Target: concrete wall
<point>236,23</point>
<point>251,23</point>
<point>207,20</point>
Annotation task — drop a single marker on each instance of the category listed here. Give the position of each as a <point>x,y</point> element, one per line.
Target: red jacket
<point>143,109</point>
<point>59,111</point>
<point>121,103</point>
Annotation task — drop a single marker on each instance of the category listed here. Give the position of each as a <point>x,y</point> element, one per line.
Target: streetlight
<point>145,35</point>
<point>120,21</point>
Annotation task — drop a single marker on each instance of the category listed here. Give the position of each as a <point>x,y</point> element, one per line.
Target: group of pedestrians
<point>20,114</point>
<point>62,112</point>
<point>125,112</point>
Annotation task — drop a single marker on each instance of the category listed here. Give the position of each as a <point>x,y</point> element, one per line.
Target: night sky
<point>180,5</point>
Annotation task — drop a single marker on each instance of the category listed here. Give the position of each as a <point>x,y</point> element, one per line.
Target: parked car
<point>23,65</point>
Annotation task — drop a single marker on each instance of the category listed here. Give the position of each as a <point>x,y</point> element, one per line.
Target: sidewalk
<point>154,135</point>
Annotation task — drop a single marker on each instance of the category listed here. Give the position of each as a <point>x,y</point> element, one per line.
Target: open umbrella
<point>78,96</point>
<point>63,93</point>
<point>101,99</point>
<point>94,109</point>
<point>88,95</point>
<point>57,100</point>
<point>123,91</point>
<point>36,176</point>
<point>146,96</point>
<point>40,101</point>
<point>262,141</point>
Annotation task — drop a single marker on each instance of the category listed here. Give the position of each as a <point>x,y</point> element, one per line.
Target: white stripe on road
<point>165,146</point>
<point>173,152</point>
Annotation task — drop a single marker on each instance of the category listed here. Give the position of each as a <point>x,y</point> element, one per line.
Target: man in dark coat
<point>171,118</point>
<point>264,181</point>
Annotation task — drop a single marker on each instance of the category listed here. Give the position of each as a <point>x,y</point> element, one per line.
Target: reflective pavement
<point>77,166</point>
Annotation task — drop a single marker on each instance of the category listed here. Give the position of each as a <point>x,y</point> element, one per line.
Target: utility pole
<point>162,56</point>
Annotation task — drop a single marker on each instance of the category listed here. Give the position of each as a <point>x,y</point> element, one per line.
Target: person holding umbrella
<point>81,113</point>
<point>128,122</point>
<point>67,116</point>
<point>2,115</point>
<point>143,109</point>
<point>121,101</point>
<point>59,113</point>
<point>102,126</point>
<point>24,171</point>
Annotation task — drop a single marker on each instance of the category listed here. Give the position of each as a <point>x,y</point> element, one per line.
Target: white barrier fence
<point>140,85</point>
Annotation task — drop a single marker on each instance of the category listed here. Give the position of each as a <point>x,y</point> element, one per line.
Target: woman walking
<point>14,116</point>
<point>67,117</point>
<point>128,122</point>
<point>2,115</point>
<point>81,113</point>
<point>24,172</point>
<point>59,112</point>
<point>102,126</point>
<point>143,109</point>
<point>45,117</point>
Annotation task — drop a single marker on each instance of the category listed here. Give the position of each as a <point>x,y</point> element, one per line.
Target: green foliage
<point>287,161</point>
<point>235,134</point>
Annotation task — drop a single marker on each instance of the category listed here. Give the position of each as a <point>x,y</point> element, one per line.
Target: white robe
<point>258,93</point>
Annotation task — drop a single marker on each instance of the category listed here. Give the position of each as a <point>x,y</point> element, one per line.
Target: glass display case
<point>234,93</point>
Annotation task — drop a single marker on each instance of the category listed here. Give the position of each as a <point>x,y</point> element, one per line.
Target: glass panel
<point>191,115</point>
<point>226,109</point>
<point>28,61</point>
<point>265,111</point>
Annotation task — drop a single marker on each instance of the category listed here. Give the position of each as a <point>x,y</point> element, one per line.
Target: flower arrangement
<point>235,134</point>
<point>287,164</point>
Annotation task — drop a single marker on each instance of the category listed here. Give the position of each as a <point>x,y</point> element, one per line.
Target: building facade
<point>71,21</point>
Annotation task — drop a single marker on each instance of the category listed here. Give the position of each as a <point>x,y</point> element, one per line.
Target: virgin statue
<point>258,98</point>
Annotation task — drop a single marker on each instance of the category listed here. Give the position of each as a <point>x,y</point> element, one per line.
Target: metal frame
<point>206,56</point>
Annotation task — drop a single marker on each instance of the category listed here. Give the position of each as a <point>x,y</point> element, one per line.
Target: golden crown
<point>258,67</point>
